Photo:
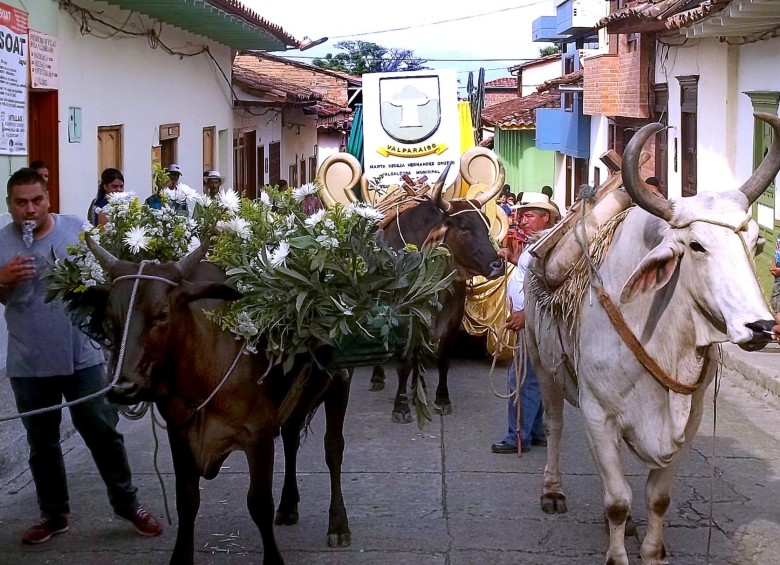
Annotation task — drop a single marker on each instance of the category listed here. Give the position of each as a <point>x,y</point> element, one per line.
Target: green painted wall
<point>527,168</point>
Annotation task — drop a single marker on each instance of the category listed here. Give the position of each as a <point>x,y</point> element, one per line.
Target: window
<point>568,97</point>
<point>312,168</point>
<point>292,174</point>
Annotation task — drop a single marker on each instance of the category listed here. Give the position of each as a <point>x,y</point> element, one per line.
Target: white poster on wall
<point>13,81</point>
<point>410,126</point>
<point>44,64</point>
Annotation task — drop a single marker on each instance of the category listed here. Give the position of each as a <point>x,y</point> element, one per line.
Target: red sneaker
<point>145,524</point>
<point>44,529</point>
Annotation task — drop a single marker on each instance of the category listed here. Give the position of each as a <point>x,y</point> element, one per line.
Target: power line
<point>462,18</point>
<point>508,59</point>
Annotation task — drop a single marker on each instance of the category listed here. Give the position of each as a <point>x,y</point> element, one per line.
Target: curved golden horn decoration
<point>331,195</point>
<point>494,188</point>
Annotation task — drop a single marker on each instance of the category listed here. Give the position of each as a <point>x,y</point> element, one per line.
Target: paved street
<point>436,496</point>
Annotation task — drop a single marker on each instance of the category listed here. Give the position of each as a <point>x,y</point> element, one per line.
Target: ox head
<point>709,239</point>
<point>459,224</point>
<point>160,324</point>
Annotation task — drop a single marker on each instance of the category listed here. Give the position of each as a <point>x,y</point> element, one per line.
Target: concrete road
<point>436,495</point>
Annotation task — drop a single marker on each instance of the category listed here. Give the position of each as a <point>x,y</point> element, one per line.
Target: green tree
<point>551,50</point>
<point>362,57</point>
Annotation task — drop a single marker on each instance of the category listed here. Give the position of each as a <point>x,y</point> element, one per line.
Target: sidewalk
<point>757,372</point>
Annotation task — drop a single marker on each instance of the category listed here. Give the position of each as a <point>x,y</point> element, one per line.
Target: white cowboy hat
<point>174,168</point>
<point>537,200</point>
<point>215,175</point>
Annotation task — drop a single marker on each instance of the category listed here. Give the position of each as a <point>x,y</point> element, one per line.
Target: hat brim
<point>546,206</point>
<point>220,179</point>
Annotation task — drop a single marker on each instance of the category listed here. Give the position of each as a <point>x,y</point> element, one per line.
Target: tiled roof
<point>662,14</point>
<point>535,62</point>
<point>249,56</point>
<point>317,91</point>
<point>520,113</point>
<point>570,78</point>
<point>502,82</point>
<point>238,9</point>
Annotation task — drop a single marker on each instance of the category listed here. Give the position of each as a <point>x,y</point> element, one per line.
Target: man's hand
<point>775,271</point>
<point>18,269</point>
<point>515,321</point>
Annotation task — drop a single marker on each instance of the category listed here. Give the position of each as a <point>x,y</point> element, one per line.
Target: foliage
<point>324,284</point>
<point>159,178</point>
<point>365,57</point>
<point>551,50</point>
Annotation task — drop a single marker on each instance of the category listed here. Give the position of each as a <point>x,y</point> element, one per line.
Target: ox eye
<point>697,247</point>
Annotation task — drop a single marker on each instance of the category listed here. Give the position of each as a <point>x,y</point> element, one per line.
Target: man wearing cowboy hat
<point>213,183</point>
<point>536,213</point>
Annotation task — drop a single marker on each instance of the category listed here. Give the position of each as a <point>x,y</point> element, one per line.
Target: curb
<point>760,374</point>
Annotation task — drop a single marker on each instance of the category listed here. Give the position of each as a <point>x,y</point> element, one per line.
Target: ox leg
<point>260,500</point>
<point>377,379</point>
<point>287,513</point>
<point>553,500</point>
<point>187,499</point>
<point>443,404</point>
<point>401,412</point>
<point>336,400</point>
<point>604,440</point>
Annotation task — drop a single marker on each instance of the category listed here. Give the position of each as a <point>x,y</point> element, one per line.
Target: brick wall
<point>497,96</point>
<point>600,85</point>
<point>618,84</point>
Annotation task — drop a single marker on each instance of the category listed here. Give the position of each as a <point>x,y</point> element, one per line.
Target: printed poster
<point>44,64</point>
<point>13,81</point>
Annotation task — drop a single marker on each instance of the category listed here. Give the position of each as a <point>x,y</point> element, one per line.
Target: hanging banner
<point>410,126</point>
<point>13,81</point>
<point>44,64</point>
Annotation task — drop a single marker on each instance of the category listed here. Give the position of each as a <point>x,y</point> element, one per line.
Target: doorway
<point>43,137</point>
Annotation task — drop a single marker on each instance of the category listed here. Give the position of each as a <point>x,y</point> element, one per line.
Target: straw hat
<point>537,200</point>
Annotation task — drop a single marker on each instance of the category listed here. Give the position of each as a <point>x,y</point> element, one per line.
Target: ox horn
<point>436,198</point>
<point>104,258</point>
<point>769,167</point>
<point>188,262</point>
<point>493,190</point>
<point>657,206</point>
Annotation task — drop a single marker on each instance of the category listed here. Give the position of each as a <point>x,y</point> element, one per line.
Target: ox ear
<point>435,237</point>
<point>191,291</point>
<point>653,272</point>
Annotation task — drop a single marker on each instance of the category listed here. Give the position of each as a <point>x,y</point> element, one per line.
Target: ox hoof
<point>444,408</point>
<point>617,559</point>
<point>376,386</point>
<point>286,518</point>
<point>554,503</point>
<point>402,417</point>
<point>340,540</point>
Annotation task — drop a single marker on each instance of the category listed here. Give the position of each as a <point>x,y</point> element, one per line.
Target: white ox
<point>680,272</point>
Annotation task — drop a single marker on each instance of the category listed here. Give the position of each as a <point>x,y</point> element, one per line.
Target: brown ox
<point>462,227</point>
<point>172,355</point>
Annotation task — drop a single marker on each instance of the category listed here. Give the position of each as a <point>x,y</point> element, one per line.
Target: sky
<point>494,35</point>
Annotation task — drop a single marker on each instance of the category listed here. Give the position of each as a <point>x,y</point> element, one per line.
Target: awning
<point>225,21</point>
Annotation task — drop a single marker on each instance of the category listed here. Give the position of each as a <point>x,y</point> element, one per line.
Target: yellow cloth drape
<point>486,312</point>
<point>466,138</point>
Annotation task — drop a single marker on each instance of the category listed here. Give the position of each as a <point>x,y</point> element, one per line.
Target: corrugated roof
<point>228,22</point>
<point>520,113</point>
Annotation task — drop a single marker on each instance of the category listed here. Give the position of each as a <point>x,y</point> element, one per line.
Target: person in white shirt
<point>536,213</point>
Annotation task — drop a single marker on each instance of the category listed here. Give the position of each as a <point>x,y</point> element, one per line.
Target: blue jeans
<point>531,412</point>
<point>95,420</point>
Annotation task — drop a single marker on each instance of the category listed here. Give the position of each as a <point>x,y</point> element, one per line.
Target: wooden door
<point>209,148</point>
<point>109,148</point>
<point>261,167</point>
<point>250,180</point>
<point>275,163</point>
<point>763,137</point>
<point>688,136</point>
<point>43,138</point>
<point>239,163</point>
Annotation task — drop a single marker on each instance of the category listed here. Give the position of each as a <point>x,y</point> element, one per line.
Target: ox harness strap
<point>628,337</point>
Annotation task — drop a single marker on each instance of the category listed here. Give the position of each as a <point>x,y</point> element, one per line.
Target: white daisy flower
<point>309,189</point>
<point>315,218</point>
<point>136,239</point>
<point>327,241</point>
<point>229,200</point>
<point>264,198</point>
<point>203,199</point>
<point>365,211</point>
<point>120,196</point>
<point>279,255</point>
<point>238,226</point>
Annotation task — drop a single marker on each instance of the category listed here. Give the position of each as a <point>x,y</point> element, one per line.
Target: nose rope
<point>136,281</point>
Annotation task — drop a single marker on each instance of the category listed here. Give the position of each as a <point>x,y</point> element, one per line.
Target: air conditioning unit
<point>577,16</point>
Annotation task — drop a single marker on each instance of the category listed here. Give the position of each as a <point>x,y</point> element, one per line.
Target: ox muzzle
<point>762,335</point>
<point>126,393</point>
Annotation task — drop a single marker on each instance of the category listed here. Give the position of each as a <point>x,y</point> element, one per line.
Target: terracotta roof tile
<point>669,14</point>
<point>501,82</point>
<point>570,78</point>
<point>520,113</point>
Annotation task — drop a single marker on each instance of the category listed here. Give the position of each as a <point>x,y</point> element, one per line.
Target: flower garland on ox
<point>323,284</point>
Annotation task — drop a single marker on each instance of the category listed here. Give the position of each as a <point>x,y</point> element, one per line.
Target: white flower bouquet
<point>323,284</point>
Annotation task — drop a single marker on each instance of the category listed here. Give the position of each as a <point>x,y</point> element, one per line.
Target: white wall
<point>599,143</point>
<point>122,80</point>
<point>536,75</point>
